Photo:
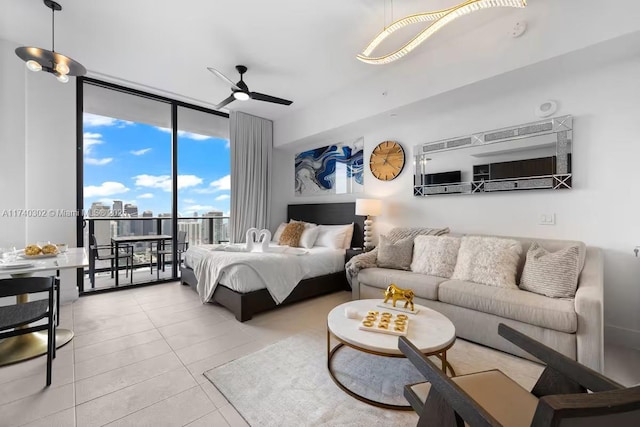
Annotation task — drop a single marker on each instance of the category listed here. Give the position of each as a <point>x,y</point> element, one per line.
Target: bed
<point>252,301</point>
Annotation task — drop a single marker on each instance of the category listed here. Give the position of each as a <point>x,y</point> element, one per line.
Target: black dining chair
<point>182,247</point>
<point>99,252</point>
<point>16,319</point>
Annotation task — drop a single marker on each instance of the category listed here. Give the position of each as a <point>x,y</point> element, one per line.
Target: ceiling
<point>304,50</point>
<point>299,50</point>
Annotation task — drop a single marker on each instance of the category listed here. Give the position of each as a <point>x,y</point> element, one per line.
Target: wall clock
<point>387,160</point>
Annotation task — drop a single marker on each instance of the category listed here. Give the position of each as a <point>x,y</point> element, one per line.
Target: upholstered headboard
<point>330,214</point>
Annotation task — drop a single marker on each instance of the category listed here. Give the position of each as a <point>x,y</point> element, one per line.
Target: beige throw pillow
<point>435,255</point>
<point>396,255</point>
<point>291,234</point>
<point>554,274</point>
<point>488,260</point>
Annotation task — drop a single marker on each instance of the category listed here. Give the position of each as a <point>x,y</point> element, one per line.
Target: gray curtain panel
<point>251,151</point>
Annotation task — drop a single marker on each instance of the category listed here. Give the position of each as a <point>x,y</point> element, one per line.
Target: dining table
<point>159,239</point>
<point>27,346</point>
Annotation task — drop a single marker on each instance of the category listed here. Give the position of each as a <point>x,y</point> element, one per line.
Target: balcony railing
<point>146,267</point>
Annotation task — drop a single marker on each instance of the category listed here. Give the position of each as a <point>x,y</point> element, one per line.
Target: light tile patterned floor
<point>139,354</point>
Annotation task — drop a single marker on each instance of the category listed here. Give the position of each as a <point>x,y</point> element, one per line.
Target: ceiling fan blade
<point>268,98</point>
<point>223,77</point>
<point>225,102</point>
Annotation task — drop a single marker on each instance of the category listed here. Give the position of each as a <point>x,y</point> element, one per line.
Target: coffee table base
<point>442,355</point>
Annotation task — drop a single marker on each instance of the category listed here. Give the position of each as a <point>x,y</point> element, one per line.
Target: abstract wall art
<point>334,169</point>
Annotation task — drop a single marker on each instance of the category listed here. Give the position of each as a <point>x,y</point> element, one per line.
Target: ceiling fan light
<point>62,77</point>
<point>62,68</point>
<point>241,96</point>
<point>34,66</point>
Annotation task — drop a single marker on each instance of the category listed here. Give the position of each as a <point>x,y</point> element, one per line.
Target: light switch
<point>547,219</point>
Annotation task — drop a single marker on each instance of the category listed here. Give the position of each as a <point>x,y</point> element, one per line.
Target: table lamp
<point>368,208</point>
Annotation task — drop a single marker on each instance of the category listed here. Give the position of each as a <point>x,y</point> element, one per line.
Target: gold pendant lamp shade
<point>38,59</point>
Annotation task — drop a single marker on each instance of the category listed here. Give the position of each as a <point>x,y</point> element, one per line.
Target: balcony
<point>147,268</point>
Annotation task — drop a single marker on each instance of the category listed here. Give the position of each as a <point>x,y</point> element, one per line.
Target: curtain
<point>251,151</point>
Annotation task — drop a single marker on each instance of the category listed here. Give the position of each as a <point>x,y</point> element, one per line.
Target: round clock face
<point>387,160</point>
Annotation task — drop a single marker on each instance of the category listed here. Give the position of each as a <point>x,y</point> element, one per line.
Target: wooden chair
<point>566,394</point>
<point>126,253</point>
<point>182,247</point>
<point>16,319</point>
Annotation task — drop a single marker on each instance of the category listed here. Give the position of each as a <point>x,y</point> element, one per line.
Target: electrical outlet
<point>547,219</point>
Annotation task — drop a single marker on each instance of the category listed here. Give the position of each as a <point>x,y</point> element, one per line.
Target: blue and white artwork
<point>334,169</point>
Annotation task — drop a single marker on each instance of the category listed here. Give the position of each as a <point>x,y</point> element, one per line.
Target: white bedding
<point>246,272</point>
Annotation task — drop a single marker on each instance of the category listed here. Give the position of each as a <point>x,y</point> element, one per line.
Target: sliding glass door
<point>153,177</point>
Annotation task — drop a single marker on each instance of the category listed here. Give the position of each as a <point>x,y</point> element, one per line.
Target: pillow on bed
<point>309,236</point>
<point>278,233</point>
<point>291,234</point>
<point>334,236</point>
<point>348,237</point>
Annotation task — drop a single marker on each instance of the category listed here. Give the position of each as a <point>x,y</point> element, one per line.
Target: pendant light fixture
<point>437,20</point>
<point>38,59</point>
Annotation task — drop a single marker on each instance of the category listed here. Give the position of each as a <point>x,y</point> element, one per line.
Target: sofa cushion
<point>554,274</point>
<point>516,304</point>
<point>423,286</point>
<point>435,255</point>
<point>488,260</point>
<point>395,254</point>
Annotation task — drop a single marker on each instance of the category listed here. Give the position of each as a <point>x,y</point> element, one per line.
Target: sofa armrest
<point>589,309</point>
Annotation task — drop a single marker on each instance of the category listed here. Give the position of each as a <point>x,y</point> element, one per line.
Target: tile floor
<point>138,358</point>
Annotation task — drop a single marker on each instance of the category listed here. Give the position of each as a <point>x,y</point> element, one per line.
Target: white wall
<point>603,209</point>
<point>37,161</point>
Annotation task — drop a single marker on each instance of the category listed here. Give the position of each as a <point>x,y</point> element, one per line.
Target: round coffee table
<point>428,330</point>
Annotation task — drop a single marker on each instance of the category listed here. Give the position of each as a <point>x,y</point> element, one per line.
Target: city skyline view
<point>131,162</point>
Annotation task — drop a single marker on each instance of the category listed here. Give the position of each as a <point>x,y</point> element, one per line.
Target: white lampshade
<point>368,207</point>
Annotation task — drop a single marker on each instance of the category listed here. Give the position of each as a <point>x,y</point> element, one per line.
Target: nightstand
<point>351,252</point>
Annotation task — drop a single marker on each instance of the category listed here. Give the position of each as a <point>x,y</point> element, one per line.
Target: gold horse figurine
<point>395,293</point>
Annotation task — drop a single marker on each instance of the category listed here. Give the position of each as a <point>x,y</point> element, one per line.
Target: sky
<point>131,162</point>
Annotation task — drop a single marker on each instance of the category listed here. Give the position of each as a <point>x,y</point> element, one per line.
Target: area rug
<point>287,383</point>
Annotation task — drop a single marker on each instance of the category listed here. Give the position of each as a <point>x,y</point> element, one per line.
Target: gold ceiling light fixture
<point>38,59</point>
<point>438,19</point>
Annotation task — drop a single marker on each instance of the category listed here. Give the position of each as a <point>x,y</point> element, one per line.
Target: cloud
<point>221,184</point>
<point>140,152</point>
<point>107,188</point>
<point>163,182</point>
<point>185,134</point>
<point>191,201</point>
<point>97,162</point>
<point>94,120</point>
<point>222,197</point>
<point>145,196</point>
<point>89,140</point>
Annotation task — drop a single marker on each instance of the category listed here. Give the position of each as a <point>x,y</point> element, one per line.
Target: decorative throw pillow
<point>396,255</point>
<point>435,255</point>
<point>291,234</point>
<point>278,233</point>
<point>488,260</point>
<point>554,274</point>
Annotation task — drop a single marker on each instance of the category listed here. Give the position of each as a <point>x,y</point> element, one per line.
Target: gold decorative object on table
<point>395,293</point>
<point>385,323</point>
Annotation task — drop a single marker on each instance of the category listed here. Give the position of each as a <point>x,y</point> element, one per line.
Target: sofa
<point>572,326</point>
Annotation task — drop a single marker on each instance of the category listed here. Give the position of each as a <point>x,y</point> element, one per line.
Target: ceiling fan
<point>240,90</point>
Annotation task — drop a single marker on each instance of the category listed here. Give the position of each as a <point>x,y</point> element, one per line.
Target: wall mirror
<point>531,156</point>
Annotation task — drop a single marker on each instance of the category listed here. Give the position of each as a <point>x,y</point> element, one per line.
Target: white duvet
<point>244,272</point>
